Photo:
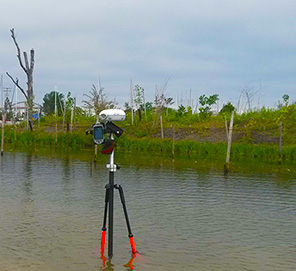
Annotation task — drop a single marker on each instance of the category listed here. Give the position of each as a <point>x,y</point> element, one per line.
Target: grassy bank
<point>41,138</point>
<point>256,134</point>
<point>261,152</point>
<point>153,145</point>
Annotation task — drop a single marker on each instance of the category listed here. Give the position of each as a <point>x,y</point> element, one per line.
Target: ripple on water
<point>51,214</point>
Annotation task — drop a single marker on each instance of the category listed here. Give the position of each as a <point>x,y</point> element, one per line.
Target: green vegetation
<point>49,103</point>
<point>206,103</point>
<point>256,133</point>
<point>127,143</point>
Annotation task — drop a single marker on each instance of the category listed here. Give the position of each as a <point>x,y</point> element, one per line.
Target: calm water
<point>51,212</point>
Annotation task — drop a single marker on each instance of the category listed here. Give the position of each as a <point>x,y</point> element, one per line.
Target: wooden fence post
<point>173,149</point>
<point>96,146</point>
<point>2,139</point>
<point>280,141</point>
<point>226,127</point>
<point>227,166</point>
<point>161,127</point>
<point>14,129</point>
<point>72,115</point>
<point>56,130</point>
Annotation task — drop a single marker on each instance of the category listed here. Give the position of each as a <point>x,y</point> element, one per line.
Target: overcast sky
<point>213,46</point>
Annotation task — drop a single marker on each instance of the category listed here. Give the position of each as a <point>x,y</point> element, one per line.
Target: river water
<point>184,215</point>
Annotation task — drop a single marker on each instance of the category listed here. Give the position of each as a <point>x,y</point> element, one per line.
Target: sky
<point>198,47</point>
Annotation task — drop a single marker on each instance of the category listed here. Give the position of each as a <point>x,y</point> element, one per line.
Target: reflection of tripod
<point>109,200</point>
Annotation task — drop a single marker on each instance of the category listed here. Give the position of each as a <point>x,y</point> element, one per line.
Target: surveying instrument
<point>103,134</point>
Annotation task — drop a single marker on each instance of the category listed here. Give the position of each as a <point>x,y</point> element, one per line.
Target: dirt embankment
<point>210,132</point>
<point>218,134</point>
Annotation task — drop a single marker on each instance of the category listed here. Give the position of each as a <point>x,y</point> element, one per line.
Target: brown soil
<point>215,135</point>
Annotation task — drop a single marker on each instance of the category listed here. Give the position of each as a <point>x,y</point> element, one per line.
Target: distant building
<point>20,110</point>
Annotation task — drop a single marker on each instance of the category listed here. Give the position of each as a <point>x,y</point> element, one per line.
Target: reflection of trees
<point>27,215</point>
<point>67,177</point>
<point>27,182</point>
<point>66,169</point>
<point>2,163</point>
<point>92,169</point>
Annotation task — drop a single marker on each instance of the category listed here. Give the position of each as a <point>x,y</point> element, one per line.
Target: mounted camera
<point>107,126</point>
<point>112,115</point>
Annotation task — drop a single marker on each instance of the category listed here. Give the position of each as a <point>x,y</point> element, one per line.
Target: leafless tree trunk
<point>28,68</point>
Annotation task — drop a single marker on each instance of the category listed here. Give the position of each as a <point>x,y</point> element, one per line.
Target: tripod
<point>109,202</point>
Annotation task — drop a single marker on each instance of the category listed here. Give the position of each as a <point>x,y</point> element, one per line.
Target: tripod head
<point>107,127</point>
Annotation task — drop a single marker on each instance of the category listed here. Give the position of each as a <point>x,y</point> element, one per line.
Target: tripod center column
<point>112,169</point>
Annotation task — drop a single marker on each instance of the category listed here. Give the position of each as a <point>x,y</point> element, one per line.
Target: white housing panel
<point>112,115</point>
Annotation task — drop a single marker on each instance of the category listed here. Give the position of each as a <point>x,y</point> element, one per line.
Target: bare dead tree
<point>98,100</point>
<point>28,68</point>
<point>250,94</point>
<point>160,100</point>
<point>246,98</point>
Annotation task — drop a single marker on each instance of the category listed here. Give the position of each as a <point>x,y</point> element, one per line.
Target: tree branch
<point>38,105</point>
<point>17,84</point>
<point>26,61</point>
<point>88,104</point>
<point>18,50</point>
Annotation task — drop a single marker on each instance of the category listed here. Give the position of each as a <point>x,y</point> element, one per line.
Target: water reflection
<point>92,169</point>
<point>27,177</point>
<point>183,214</point>
<point>130,264</point>
<point>66,168</point>
<point>107,264</point>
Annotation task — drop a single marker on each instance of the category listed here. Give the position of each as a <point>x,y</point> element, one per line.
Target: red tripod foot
<point>103,239</point>
<point>133,246</point>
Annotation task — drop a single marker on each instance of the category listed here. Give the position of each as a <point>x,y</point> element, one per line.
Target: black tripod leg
<point>103,237</point>
<point>130,235</point>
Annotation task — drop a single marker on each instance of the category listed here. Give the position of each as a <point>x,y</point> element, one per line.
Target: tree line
<point>96,100</point>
